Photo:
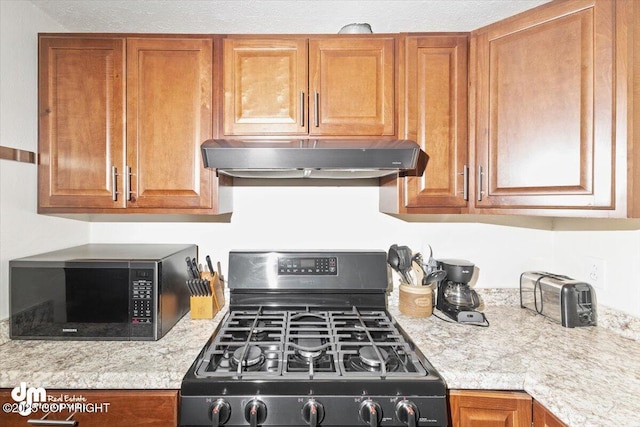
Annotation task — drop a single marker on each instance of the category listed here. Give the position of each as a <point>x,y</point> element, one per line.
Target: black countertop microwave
<point>99,292</point>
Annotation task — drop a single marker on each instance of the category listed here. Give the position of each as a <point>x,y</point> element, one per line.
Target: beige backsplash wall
<point>347,217</point>
<point>618,249</point>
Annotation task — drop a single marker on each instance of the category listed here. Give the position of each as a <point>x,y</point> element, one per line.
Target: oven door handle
<point>47,422</point>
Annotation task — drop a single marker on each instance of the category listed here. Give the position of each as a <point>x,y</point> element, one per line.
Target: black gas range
<point>308,341</point>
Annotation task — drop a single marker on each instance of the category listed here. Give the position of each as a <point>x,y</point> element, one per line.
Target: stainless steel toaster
<point>567,301</point>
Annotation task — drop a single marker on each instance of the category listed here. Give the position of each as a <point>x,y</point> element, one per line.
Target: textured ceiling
<point>277,16</point>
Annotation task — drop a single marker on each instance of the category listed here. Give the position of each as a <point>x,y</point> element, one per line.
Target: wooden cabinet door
<point>265,86</point>
<point>102,408</point>
<point>351,89</point>
<point>81,120</point>
<point>169,115</point>
<point>543,418</point>
<point>436,118</point>
<point>545,108</point>
<point>489,408</point>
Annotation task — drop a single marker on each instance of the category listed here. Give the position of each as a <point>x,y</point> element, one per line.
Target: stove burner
<point>310,348</point>
<point>307,316</point>
<point>253,357</point>
<point>369,357</point>
<point>259,336</point>
<point>359,334</point>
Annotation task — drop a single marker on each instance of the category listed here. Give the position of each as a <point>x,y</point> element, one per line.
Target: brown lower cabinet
<point>543,418</point>
<point>102,408</point>
<point>490,408</point>
<point>473,408</point>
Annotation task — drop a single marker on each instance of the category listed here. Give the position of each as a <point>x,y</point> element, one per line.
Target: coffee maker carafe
<point>455,298</point>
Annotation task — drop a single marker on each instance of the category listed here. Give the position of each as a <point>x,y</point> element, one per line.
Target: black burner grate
<point>309,343</point>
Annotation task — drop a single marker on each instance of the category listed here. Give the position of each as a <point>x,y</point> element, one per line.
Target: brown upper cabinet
<point>433,105</point>
<point>551,112</point>
<point>333,86</point>
<point>544,106</point>
<point>90,161</point>
<point>81,113</point>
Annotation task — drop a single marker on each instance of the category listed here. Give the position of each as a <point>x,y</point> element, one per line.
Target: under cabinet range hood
<point>313,158</point>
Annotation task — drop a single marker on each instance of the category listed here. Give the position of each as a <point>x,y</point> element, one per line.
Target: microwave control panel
<point>142,297</point>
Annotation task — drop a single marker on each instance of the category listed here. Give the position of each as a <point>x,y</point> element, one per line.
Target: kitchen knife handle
<point>302,108</point>
<point>194,275</point>
<point>316,109</point>
<point>114,183</point>
<point>209,264</point>
<point>480,173</point>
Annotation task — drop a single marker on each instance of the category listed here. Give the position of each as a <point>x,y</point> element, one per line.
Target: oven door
<point>70,300</point>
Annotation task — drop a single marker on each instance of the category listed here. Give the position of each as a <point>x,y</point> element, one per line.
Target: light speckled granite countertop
<point>586,376</point>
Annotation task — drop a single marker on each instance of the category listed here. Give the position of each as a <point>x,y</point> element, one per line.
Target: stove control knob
<point>371,413</point>
<point>255,412</point>
<point>312,412</point>
<point>220,412</point>
<point>407,413</point>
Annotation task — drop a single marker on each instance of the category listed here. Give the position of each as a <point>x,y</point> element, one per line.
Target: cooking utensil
<point>417,271</point>
<point>396,258</point>
<point>404,263</point>
<point>393,258</point>
<point>434,276</point>
<point>432,273</point>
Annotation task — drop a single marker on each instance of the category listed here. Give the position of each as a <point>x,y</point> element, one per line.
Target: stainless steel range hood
<point>312,158</point>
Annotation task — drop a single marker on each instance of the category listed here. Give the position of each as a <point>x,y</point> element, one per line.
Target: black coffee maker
<point>455,298</point>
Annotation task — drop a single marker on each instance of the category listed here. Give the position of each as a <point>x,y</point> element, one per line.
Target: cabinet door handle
<point>480,173</point>
<point>316,109</point>
<point>114,183</point>
<point>302,108</point>
<point>45,422</point>
<point>465,183</point>
<point>127,184</point>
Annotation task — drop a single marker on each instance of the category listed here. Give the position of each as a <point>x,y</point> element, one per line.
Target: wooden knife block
<point>206,307</point>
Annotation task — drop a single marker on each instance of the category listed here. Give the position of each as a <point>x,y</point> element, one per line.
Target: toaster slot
<point>584,304</point>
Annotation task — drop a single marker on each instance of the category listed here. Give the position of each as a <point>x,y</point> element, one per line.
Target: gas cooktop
<point>308,343</point>
<point>342,361</point>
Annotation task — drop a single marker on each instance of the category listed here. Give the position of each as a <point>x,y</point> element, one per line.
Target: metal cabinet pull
<point>114,183</point>
<point>45,422</point>
<point>480,173</point>
<point>302,108</point>
<point>316,109</point>
<point>465,183</point>
<point>127,183</point>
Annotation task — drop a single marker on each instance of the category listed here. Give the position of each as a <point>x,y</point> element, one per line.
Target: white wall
<point>22,231</point>
<point>290,217</point>
<point>618,250</point>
